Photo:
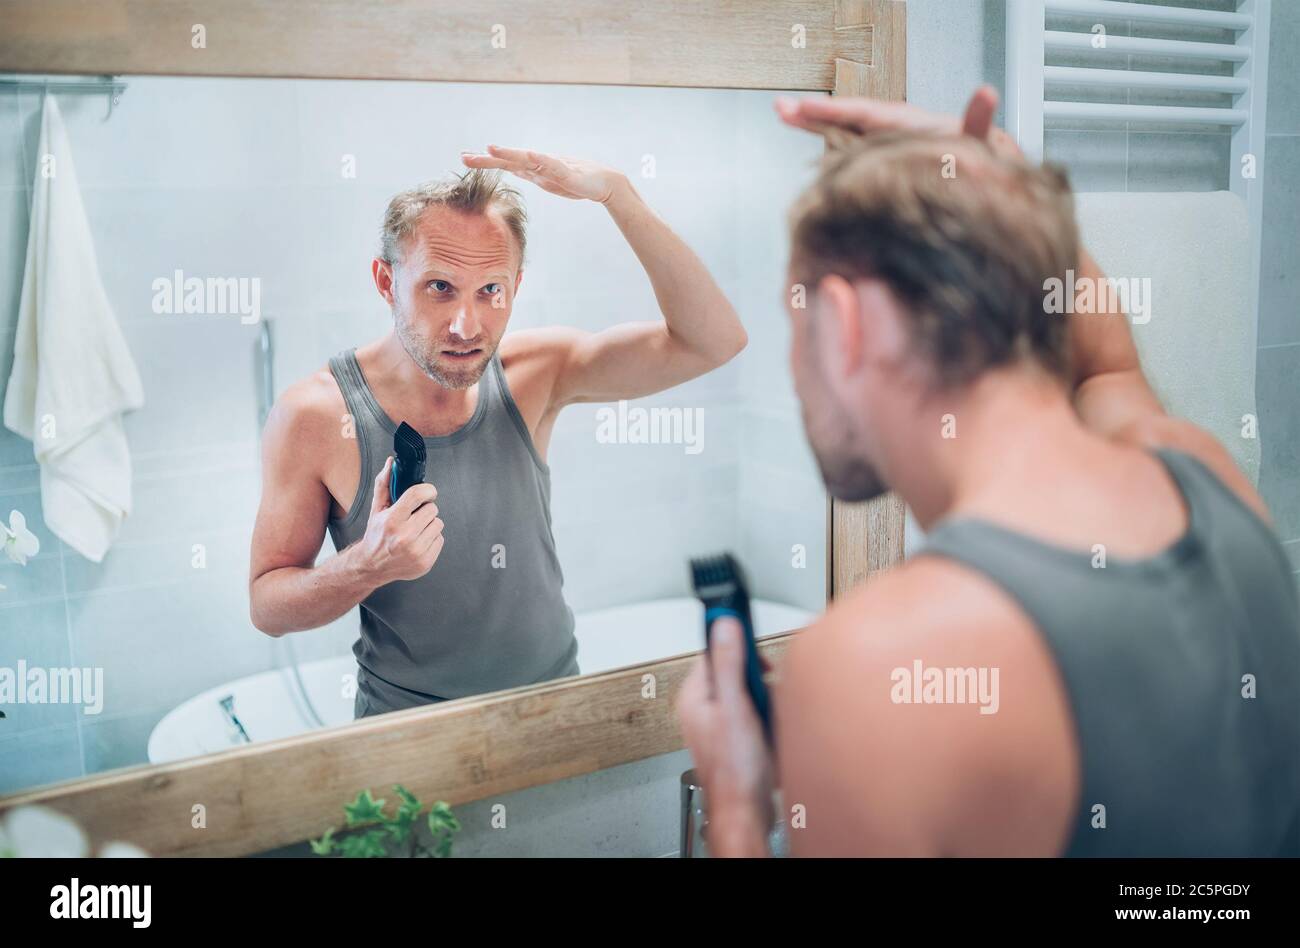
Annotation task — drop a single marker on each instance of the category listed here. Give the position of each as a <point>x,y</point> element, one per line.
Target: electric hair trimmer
<point>408,461</point>
<point>720,585</point>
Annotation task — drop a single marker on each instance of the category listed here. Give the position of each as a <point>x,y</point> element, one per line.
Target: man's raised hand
<point>568,177</point>
<point>862,116</point>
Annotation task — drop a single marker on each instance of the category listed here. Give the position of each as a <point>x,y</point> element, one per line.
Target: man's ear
<point>519,278</point>
<point>883,323</point>
<point>382,272</point>
<point>840,331</point>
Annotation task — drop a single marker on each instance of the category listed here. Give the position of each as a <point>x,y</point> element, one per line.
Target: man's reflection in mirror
<point>458,580</point>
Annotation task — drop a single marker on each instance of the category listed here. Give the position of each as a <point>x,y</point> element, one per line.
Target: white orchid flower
<point>40,832</point>
<point>120,850</point>
<point>20,543</point>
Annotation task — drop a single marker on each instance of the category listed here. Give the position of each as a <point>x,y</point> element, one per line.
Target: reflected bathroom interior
<point>280,186</point>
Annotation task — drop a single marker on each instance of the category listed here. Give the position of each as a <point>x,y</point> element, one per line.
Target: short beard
<point>847,477</point>
<point>457,380</point>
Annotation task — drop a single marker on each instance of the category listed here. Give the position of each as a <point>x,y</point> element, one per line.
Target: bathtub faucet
<point>228,709</point>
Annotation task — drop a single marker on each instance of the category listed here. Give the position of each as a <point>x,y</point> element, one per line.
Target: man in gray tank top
<point>459,582</point>
<point>1098,651</point>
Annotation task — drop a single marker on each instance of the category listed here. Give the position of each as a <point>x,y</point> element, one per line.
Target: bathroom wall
<point>1278,366</point>
<point>954,45</point>
<point>782,499</point>
<point>245,178</point>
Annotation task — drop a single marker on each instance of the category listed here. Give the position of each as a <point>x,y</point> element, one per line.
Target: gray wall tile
<point>40,579</point>
<point>166,643</point>
<point>952,47</point>
<point>1096,161</point>
<point>118,741</point>
<point>1284,69</point>
<point>36,633</point>
<point>1277,388</point>
<point>1178,161</point>
<point>45,756</point>
<point>1279,278</point>
<point>13,257</point>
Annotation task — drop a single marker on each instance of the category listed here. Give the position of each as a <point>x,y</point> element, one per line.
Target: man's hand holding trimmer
<point>403,540</point>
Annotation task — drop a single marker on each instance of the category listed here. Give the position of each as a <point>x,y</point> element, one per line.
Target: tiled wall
<point>946,61</point>
<point>238,178</point>
<point>782,499</point>
<point>1278,365</point>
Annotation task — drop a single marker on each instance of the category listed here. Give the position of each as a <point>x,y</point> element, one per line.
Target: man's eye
<point>492,289</point>
<point>441,286</point>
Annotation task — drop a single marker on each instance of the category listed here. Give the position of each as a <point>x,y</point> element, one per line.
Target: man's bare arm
<point>699,332</point>
<point>1114,398</point>
<point>287,593</point>
<point>700,329</point>
<point>994,775</point>
<point>1110,390</point>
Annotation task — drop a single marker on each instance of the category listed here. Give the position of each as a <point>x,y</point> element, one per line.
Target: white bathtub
<point>268,704</point>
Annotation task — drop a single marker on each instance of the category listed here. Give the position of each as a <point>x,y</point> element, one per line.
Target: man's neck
<point>1010,431</point>
<point>405,384</point>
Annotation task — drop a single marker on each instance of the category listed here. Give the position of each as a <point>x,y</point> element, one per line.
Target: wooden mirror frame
<point>261,796</point>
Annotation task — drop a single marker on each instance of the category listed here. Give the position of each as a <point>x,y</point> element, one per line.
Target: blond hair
<point>473,192</point>
<point>964,238</point>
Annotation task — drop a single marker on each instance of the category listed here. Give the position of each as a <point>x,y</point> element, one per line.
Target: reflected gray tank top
<point>491,613</point>
<point>1153,653</point>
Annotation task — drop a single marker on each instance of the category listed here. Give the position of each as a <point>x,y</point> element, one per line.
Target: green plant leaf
<point>371,831</point>
<point>325,845</point>
<point>410,806</point>
<point>364,809</point>
<point>367,845</point>
<point>402,824</point>
<point>444,817</point>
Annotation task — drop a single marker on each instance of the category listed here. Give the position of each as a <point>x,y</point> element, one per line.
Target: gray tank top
<point>491,613</point>
<point>1153,653</point>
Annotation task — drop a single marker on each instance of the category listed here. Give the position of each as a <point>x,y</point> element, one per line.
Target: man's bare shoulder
<point>1179,434</point>
<point>533,361</point>
<point>927,600</point>
<point>988,767</point>
<point>549,346</point>
<point>309,413</point>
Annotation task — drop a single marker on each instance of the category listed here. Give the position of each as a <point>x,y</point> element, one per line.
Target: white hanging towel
<point>73,376</point>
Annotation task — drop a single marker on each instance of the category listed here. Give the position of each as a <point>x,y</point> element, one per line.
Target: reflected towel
<point>73,376</point>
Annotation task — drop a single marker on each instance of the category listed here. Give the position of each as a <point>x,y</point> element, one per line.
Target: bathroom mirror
<point>276,189</point>
<point>218,177</point>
